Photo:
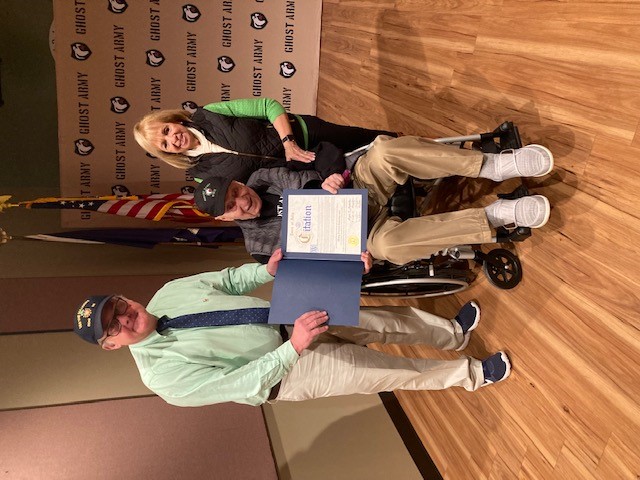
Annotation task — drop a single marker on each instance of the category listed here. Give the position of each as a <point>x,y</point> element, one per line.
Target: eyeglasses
<point>120,307</point>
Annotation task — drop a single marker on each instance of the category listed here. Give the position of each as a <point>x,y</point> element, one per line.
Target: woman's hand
<point>293,152</point>
<point>291,149</point>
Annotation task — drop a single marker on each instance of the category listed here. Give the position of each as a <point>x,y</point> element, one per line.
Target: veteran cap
<point>210,193</point>
<point>88,321</point>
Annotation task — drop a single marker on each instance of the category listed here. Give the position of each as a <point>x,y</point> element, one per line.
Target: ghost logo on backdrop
<point>225,64</point>
<point>80,51</point>
<point>189,106</point>
<point>155,58</point>
<point>83,147</point>
<point>258,20</point>
<point>287,69</point>
<point>117,6</point>
<point>190,13</point>
<point>119,105</point>
<point>120,191</point>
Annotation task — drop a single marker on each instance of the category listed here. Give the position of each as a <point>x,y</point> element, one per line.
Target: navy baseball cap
<point>210,193</point>
<point>88,321</point>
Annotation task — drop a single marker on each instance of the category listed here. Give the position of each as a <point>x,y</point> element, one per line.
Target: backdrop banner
<point>119,59</point>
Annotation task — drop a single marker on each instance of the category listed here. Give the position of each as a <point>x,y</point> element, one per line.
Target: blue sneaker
<point>496,368</point>
<point>468,317</point>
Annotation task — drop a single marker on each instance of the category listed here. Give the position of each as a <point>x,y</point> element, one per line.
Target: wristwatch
<point>288,138</point>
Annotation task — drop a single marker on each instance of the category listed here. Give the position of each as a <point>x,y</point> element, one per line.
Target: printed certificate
<point>319,225</point>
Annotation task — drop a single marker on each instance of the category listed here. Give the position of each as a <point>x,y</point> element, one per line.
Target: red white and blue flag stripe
<point>172,206</point>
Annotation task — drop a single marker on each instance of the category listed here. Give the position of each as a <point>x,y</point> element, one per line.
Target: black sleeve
<point>298,166</point>
<point>263,259</point>
<point>329,160</point>
<point>312,185</point>
<point>222,166</point>
<point>281,178</point>
<point>236,167</point>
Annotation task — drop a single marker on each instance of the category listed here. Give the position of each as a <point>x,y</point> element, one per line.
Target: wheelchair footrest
<point>505,136</point>
<point>518,235</point>
<point>519,192</point>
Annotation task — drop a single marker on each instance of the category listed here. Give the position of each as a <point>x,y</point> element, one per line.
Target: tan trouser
<point>390,162</point>
<point>338,363</point>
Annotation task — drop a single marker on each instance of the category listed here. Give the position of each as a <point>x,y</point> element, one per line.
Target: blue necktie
<point>216,318</point>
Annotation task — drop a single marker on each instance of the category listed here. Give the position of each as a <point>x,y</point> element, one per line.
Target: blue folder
<point>318,281</point>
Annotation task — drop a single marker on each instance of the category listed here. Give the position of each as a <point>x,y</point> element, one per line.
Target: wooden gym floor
<point>568,73</point>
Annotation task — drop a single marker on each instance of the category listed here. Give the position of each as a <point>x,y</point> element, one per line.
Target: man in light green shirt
<point>252,364</point>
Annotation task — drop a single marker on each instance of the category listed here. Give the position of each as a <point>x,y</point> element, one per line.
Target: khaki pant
<point>338,363</point>
<point>390,162</point>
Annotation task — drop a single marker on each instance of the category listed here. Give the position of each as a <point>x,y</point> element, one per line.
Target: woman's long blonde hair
<point>148,129</point>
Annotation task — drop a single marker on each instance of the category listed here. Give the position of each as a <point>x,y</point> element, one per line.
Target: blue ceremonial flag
<point>145,237</point>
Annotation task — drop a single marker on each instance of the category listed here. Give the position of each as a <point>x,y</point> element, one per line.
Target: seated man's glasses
<point>120,307</point>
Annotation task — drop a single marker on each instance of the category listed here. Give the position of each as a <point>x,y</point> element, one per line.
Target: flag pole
<point>5,238</point>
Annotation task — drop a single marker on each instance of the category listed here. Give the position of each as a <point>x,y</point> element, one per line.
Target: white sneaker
<point>529,161</point>
<point>532,211</point>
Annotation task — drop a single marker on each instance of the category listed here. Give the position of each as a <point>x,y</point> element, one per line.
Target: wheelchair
<point>449,271</point>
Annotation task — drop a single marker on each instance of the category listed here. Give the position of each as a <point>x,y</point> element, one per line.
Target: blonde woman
<point>233,139</point>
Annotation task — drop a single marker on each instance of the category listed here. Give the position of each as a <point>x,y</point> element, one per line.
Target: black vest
<point>256,141</point>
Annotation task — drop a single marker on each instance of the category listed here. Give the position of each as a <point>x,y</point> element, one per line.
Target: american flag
<point>172,206</point>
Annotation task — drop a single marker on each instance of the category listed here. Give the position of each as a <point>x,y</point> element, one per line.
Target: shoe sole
<point>547,214</point>
<point>550,156</point>
<point>467,335</point>
<point>505,359</point>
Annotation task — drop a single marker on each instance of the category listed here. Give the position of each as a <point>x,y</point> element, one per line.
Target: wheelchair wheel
<point>502,268</point>
<point>414,287</point>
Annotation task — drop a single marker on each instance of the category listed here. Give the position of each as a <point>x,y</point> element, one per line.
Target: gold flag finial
<point>4,202</point>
